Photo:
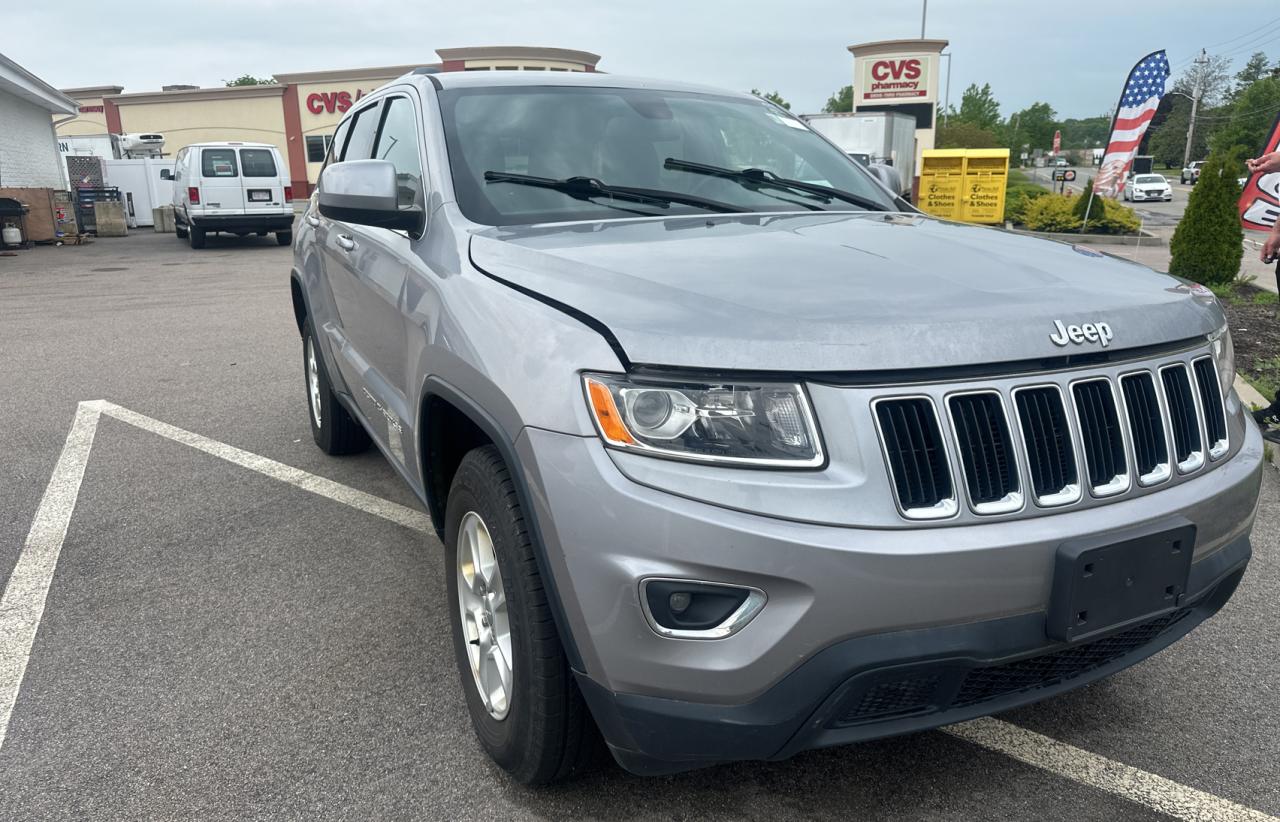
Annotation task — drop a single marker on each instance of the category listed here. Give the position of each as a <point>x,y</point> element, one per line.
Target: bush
<point>1207,245</point>
<point>1082,202</point>
<point>1051,214</point>
<point>1110,217</point>
<point>1017,197</point>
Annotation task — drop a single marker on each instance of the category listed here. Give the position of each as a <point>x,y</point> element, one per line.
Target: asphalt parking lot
<point>220,642</point>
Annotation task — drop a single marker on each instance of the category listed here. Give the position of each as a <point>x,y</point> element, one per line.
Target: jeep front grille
<point>1051,458</point>
<point>1109,433</point>
<point>1183,418</point>
<point>1146,426</point>
<point>1101,435</point>
<point>986,452</point>
<point>1215,417</point>
<point>917,458</point>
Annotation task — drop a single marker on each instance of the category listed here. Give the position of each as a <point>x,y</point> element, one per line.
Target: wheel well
<point>299,304</point>
<point>449,435</point>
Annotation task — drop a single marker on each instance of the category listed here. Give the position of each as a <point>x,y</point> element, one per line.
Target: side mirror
<point>166,174</point>
<point>365,192</point>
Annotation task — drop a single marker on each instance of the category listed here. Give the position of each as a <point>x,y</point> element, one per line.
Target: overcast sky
<point>1073,55</point>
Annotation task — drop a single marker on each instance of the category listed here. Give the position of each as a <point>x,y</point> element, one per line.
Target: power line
<point>1246,34</point>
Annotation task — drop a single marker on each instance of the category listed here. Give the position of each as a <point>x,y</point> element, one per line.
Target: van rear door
<point>263,181</point>
<point>217,172</point>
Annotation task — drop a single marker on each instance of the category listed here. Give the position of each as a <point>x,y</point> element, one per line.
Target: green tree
<point>1086,132</point>
<point>842,100</point>
<point>959,134</point>
<point>1256,69</point>
<point>1207,244</point>
<point>1249,119</point>
<point>1082,203</point>
<point>978,108</point>
<point>1214,76</point>
<point>250,80</point>
<point>1033,126</point>
<point>773,97</point>
<point>1167,140</point>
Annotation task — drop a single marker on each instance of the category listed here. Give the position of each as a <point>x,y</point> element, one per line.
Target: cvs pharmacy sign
<point>332,102</point>
<point>905,77</point>
<point>909,69</point>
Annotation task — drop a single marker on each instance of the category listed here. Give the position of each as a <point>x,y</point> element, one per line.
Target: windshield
<point>623,138</point>
<point>1150,178</point>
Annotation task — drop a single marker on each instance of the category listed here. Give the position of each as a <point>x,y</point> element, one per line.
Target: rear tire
<point>180,230</point>
<point>332,427</point>
<point>543,731</point>
<point>196,237</point>
<point>284,238</point>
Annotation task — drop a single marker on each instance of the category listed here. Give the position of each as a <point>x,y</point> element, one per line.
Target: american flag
<point>1138,103</point>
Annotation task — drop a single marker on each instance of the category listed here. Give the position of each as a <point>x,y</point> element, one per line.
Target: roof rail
<point>427,70</point>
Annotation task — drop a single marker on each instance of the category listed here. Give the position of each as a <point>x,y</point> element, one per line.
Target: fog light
<point>692,609</point>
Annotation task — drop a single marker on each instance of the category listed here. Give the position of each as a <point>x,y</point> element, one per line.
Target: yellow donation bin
<point>942,182</point>
<point>986,174</point>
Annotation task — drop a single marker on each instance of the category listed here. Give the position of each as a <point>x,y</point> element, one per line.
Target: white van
<point>240,188</point>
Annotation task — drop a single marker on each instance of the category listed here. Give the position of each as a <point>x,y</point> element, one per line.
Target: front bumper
<point>854,615</point>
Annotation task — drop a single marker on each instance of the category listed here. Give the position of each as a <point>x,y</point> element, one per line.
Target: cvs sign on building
<point>898,71</point>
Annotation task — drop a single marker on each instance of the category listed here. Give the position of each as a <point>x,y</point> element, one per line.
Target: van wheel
<point>284,238</point>
<point>180,230</point>
<point>197,237</point>
<point>524,705</point>
<point>332,427</point>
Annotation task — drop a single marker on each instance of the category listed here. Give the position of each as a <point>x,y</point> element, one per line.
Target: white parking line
<point>336,491</point>
<point>1160,794</point>
<point>22,606</point>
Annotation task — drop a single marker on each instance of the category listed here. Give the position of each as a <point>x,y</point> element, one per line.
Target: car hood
<point>838,292</point>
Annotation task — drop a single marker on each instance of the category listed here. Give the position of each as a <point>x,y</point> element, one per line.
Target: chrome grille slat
<point>985,449</point>
<point>1046,435</point>
<point>1113,431</point>
<point>1102,438</point>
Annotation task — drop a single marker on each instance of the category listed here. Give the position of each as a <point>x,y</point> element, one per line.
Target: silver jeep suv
<point>731,453</point>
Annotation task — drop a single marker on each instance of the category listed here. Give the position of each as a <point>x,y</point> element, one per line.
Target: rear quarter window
<point>218,162</point>
<point>257,162</point>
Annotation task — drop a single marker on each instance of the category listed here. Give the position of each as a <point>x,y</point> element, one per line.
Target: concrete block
<point>110,219</point>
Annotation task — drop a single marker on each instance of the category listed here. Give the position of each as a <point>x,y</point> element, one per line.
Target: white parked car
<point>1148,187</point>
<point>240,188</point>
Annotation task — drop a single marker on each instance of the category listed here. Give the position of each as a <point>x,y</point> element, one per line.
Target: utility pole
<point>1201,62</point>
<point>924,14</point>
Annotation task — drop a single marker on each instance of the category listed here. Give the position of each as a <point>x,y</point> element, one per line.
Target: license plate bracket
<point>259,195</point>
<point>1123,578</point>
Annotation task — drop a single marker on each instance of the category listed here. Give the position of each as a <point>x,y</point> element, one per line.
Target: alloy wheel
<point>482,602</point>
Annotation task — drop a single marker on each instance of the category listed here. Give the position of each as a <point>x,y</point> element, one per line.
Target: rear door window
<point>258,162</point>
<point>218,162</point>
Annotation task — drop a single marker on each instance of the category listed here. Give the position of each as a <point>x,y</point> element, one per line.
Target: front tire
<point>332,427</point>
<point>524,704</point>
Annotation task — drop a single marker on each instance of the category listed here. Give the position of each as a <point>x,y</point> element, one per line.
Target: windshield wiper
<point>754,178</point>
<point>586,188</point>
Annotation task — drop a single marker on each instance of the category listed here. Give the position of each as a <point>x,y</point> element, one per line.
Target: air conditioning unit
<point>149,143</point>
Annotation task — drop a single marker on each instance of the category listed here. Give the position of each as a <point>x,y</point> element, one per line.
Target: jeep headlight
<point>746,423</point>
<point>1224,358</point>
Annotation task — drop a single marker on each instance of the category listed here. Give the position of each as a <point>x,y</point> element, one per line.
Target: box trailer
<point>885,137</point>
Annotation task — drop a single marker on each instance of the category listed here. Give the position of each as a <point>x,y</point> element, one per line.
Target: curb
<point>1251,397</point>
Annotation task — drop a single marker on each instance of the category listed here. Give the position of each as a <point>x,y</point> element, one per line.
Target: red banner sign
<point>1260,202</point>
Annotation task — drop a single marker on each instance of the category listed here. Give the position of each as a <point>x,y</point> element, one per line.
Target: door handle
<point>346,242</point>
<point>314,220</point>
